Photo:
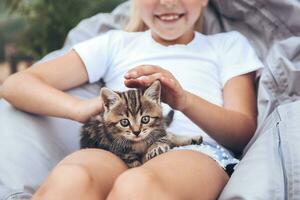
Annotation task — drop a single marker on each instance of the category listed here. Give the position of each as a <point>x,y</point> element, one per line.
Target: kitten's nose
<point>136,133</point>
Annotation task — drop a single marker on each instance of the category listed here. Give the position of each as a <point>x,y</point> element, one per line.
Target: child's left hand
<point>172,92</point>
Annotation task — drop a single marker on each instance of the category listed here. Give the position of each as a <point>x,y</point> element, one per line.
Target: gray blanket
<point>30,145</point>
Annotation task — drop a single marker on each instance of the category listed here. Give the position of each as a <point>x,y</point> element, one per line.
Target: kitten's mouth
<point>137,138</point>
<point>170,17</point>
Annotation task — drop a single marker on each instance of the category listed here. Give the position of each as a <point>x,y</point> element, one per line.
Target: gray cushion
<point>271,167</point>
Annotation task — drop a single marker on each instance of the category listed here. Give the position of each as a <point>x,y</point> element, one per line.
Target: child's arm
<point>39,89</point>
<point>232,125</point>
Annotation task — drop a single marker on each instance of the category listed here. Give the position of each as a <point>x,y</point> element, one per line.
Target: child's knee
<point>72,178</point>
<point>137,183</point>
<point>74,175</point>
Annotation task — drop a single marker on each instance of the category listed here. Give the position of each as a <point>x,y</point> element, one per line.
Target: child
<point>208,80</point>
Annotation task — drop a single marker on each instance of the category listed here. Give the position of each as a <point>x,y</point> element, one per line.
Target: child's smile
<point>171,21</point>
<point>169,17</point>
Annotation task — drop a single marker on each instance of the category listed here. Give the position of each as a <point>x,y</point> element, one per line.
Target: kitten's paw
<point>197,139</point>
<point>156,150</point>
<point>135,163</point>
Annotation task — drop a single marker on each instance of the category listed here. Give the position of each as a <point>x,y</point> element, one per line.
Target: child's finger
<point>142,70</point>
<point>166,81</point>
<point>148,80</point>
<point>132,83</point>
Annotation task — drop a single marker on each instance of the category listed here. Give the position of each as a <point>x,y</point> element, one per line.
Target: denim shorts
<point>216,152</point>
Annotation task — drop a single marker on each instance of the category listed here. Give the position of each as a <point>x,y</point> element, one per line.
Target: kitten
<point>132,126</point>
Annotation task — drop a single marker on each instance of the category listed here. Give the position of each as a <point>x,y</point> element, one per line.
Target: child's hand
<point>85,109</point>
<point>172,92</point>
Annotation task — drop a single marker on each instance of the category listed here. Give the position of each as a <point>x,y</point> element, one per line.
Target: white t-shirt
<point>202,67</point>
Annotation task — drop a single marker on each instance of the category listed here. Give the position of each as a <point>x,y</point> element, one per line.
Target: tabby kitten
<point>132,126</point>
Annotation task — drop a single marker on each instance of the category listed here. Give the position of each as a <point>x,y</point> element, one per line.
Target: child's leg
<point>180,174</point>
<point>85,174</point>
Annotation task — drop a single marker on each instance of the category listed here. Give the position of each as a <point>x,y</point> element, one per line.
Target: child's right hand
<point>85,109</point>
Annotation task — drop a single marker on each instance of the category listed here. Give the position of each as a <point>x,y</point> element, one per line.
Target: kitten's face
<point>133,115</point>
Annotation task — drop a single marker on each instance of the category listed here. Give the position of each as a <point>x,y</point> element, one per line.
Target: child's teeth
<point>169,17</point>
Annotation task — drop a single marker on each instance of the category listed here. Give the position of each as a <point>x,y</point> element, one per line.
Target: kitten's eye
<point>145,119</point>
<point>124,122</point>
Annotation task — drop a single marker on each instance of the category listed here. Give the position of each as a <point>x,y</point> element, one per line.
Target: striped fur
<point>132,126</point>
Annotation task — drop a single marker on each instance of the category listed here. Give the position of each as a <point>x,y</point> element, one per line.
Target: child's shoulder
<point>225,36</point>
<point>227,40</point>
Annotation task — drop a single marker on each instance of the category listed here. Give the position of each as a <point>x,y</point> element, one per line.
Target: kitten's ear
<point>109,97</point>
<point>152,93</point>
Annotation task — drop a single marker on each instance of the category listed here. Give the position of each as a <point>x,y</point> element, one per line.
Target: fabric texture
<point>230,54</point>
<point>111,55</point>
<point>269,168</point>
<point>216,152</point>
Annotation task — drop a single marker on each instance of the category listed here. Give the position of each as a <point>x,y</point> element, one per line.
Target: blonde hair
<point>136,24</point>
